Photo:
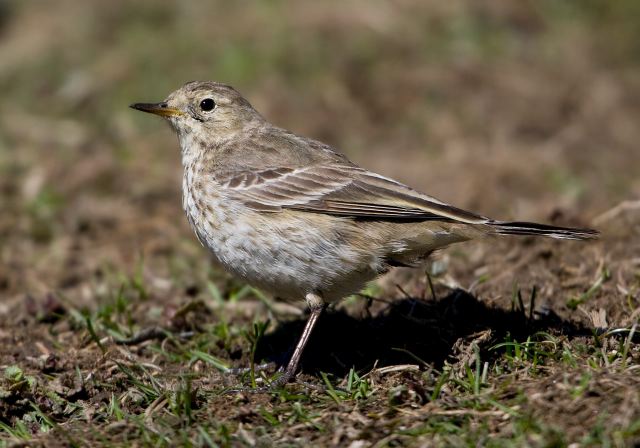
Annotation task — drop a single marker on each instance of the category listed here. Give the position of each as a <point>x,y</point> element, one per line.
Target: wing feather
<point>339,190</point>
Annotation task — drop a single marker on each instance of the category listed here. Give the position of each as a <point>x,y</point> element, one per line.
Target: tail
<point>531,228</point>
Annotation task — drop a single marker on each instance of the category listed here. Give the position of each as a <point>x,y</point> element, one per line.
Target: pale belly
<point>287,254</point>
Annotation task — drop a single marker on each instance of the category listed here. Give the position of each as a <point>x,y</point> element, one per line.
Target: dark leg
<point>316,305</point>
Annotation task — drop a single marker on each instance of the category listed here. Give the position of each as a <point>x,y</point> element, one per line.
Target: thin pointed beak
<point>158,109</point>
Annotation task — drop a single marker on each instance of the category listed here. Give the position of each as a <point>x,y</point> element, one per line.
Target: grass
<point>173,391</point>
<point>487,390</point>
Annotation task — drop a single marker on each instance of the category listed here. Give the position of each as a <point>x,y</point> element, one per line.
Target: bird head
<point>205,110</point>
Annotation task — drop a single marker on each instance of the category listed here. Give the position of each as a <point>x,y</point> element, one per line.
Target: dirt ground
<point>516,110</point>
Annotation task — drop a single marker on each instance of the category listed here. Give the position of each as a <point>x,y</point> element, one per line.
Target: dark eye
<point>207,104</point>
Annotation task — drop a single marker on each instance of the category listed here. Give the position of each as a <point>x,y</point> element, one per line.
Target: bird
<point>294,217</point>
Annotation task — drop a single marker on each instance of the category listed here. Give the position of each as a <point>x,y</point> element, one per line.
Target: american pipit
<point>293,216</point>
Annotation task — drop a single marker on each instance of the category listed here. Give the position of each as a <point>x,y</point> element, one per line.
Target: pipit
<point>293,216</point>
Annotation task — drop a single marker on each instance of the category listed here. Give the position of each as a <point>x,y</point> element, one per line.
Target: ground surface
<point>525,110</point>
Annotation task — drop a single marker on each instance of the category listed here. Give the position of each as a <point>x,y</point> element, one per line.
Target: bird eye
<point>207,104</point>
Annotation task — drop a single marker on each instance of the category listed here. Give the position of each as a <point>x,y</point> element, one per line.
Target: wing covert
<point>338,190</point>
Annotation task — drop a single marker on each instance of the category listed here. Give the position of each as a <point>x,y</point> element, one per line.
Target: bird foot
<point>273,386</point>
<point>256,368</point>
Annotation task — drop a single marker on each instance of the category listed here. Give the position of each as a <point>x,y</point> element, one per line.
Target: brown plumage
<point>295,217</point>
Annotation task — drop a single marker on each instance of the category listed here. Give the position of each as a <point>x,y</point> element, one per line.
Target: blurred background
<point>526,110</point>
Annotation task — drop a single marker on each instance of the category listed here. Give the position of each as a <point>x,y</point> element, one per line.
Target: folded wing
<point>338,190</point>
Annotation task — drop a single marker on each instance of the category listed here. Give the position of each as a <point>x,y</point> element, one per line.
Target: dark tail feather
<point>531,228</point>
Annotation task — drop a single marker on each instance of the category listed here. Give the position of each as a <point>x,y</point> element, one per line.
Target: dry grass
<point>525,109</point>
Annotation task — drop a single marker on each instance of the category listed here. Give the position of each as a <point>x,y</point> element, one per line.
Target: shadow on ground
<point>407,331</point>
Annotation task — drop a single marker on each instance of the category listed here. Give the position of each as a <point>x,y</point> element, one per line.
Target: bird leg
<point>316,306</point>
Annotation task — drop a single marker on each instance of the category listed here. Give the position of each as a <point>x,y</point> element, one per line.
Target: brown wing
<point>339,190</point>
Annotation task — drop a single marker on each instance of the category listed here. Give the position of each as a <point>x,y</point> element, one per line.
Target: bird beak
<point>161,109</point>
